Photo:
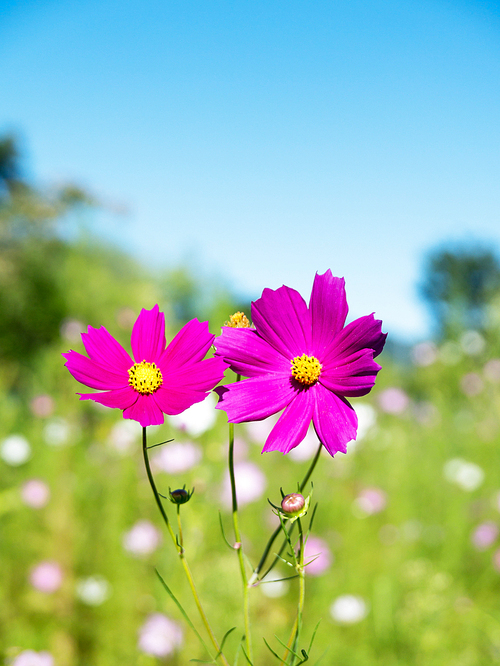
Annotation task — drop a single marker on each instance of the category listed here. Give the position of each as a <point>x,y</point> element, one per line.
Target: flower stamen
<point>306,369</point>
<point>238,320</point>
<point>145,377</point>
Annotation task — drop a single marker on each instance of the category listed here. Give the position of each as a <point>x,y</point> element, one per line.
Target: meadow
<point>406,530</point>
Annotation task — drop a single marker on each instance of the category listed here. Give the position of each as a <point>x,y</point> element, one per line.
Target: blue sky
<point>265,141</point>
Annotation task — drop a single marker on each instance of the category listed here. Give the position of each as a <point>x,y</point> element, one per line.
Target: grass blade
<point>313,636</point>
<point>223,533</point>
<point>246,656</point>
<point>286,647</point>
<point>184,614</point>
<point>273,652</point>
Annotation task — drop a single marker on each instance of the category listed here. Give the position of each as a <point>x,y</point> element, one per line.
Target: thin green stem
<point>297,625</point>
<point>238,544</point>
<point>153,487</point>
<point>311,468</point>
<point>179,525</point>
<point>259,567</point>
<point>180,550</point>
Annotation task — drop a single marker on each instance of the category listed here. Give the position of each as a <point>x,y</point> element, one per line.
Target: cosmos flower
<point>160,381</point>
<point>303,360</point>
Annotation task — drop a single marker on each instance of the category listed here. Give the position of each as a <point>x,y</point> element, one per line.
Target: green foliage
<point>459,284</point>
<point>432,596</point>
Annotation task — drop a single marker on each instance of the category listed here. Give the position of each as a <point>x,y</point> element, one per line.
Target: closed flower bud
<point>293,504</point>
<point>180,496</point>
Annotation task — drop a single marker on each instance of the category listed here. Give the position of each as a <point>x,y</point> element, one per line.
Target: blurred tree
<point>31,300</point>
<point>459,284</point>
<point>9,163</point>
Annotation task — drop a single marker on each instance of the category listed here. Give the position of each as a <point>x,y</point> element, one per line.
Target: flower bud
<point>293,504</point>
<point>180,496</point>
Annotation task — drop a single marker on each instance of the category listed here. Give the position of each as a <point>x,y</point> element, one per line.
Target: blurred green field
<point>409,516</point>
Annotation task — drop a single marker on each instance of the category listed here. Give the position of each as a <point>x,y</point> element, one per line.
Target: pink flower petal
<point>362,333</point>
<point>117,398</point>
<point>334,420</point>
<point>148,335</point>
<point>293,424</point>
<point>190,345</point>
<point>353,375</point>
<point>256,398</point>
<point>201,376</point>
<point>92,374</point>
<point>105,350</point>
<point>145,411</point>
<point>328,306</point>
<point>250,355</point>
<point>185,387</point>
<point>283,320</point>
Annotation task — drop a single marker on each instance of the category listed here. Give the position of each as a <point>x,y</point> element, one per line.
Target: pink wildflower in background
<point>371,501</point>
<point>142,539</point>
<point>317,556</point>
<point>303,360</point>
<point>35,493</point>
<point>177,457</point>
<point>160,636</point>
<point>471,384</point>
<point>46,577</point>
<point>42,406</point>
<point>32,658</point>
<point>161,381</point>
<point>251,483</point>
<point>484,535</point>
<point>393,400</point>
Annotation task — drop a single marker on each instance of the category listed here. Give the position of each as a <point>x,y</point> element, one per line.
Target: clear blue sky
<point>267,140</point>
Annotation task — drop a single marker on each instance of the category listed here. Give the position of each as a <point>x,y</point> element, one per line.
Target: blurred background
<point>191,154</point>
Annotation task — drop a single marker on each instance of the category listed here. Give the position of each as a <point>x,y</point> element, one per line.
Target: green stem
<point>238,545</point>
<point>179,525</point>
<point>180,551</point>
<point>255,576</point>
<point>155,491</point>
<point>297,625</point>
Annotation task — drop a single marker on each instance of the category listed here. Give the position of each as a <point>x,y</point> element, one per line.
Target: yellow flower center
<point>306,369</point>
<point>145,377</point>
<point>238,320</point>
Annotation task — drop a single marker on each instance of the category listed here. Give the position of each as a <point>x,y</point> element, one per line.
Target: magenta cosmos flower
<point>160,381</point>
<point>302,360</point>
